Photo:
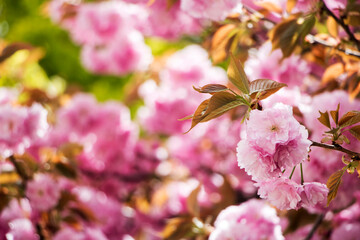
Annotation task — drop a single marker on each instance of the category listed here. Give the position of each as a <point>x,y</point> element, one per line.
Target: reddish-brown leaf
<point>237,75</point>
<point>333,184</point>
<point>324,119</point>
<point>355,131</point>
<point>211,88</point>
<point>349,118</point>
<point>266,87</point>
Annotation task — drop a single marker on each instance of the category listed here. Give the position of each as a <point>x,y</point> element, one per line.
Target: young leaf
<point>324,119</point>
<point>220,42</point>
<point>335,115</point>
<point>211,88</point>
<point>349,118</point>
<point>237,75</point>
<point>217,105</point>
<point>333,184</point>
<point>192,202</point>
<point>220,103</point>
<point>289,33</point>
<point>177,228</point>
<point>199,113</point>
<point>266,86</point>
<point>355,131</point>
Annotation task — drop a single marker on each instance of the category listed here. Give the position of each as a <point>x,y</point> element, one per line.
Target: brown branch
<point>354,155</point>
<point>315,227</point>
<point>343,25</point>
<point>313,40</point>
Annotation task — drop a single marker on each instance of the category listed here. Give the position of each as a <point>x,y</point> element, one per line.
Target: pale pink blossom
<point>251,220</point>
<point>314,194</point>
<point>102,23</point>
<point>282,192</point>
<point>22,228</point>
<point>209,9</point>
<point>127,54</point>
<point>274,141</point>
<point>43,192</point>
<point>265,63</point>
<point>20,127</point>
<point>87,233</point>
<point>170,23</point>
<point>346,231</point>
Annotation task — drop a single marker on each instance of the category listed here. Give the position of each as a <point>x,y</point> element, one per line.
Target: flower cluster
<point>275,142</point>
<point>250,220</point>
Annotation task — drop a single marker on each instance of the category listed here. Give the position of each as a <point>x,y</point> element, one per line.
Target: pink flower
<point>251,220</point>
<point>20,127</point>
<point>101,23</point>
<point>265,63</point>
<point>20,229</point>
<point>274,141</point>
<point>208,9</point>
<point>87,233</point>
<point>170,23</point>
<point>283,193</point>
<point>314,194</point>
<point>346,231</point>
<point>122,56</point>
<point>43,192</point>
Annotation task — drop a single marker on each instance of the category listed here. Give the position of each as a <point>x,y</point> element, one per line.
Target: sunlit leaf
<point>237,75</point>
<point>355,131</point>
<point>199,113</point>
<point>220,41</point>
<point>217,105</point>
<point>332,72</point>
<point>324,119</point>
<point>332,26</point>
<point>333,184</point>
<point>335,114</point>
<point>220,103</point>
<point>266,87</point>
<point>25,165</point>
<point>352,18</point>
<point>349,118</point>
<point>192,202</point>
<point>211,88</point>
<point>177,228</point>
<point>12,48</point>
<point>289,33</point>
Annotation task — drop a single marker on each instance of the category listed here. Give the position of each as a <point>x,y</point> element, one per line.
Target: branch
<point>315,227</point>
<point>312,39</point>
<point>343,25</point>
<point>354,155</point>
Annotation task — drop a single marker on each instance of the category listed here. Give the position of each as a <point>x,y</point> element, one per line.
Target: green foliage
<point>28,24</point>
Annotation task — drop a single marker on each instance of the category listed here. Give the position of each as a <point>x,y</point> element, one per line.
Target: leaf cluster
<point>223,98</point>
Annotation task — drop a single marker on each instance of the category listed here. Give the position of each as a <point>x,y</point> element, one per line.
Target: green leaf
<point>237,75</point>
<point>192,202</point>
<point>355,131</point>
<point>266,87</point>
<point>289,33</point>
<point>333,184</point>
<point>324,119</point>
<point>335,115</point>
<point>199,113</point>
<point>217,105</point>
<point>349,118</point>
<point>211,88</point>
<point>220,103</point>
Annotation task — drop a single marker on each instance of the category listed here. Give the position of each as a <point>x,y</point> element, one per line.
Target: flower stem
<point>355,156</point>
<point>292,172</point>
<point>302,175</point>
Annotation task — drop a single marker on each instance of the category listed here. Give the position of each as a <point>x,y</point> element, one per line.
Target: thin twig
<point>315,227</point>
<point>343,25</point>
<point>292,172</point>
<point>312,39</point>
<point>354,155</point>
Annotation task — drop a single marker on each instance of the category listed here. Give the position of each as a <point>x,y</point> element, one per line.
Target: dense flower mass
<point>275,141</point>
<point>43,192</point>
<point>20,127</point>
<point>250,220</point>
<point>101,153</point>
